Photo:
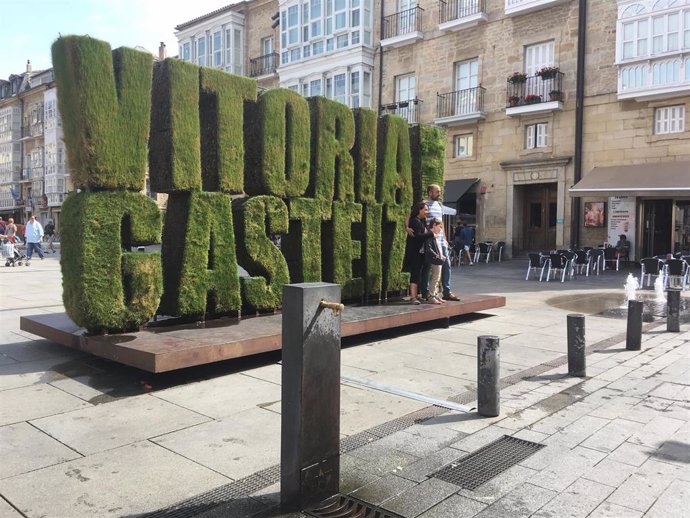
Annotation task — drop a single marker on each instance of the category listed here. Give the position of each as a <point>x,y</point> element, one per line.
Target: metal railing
<point>404,22</point>
<point>408,110</point>
<point>450,10</point>
<point>33,130</point>
<point>534,90</point>
<point>263,65</point>
<point>460,102</point>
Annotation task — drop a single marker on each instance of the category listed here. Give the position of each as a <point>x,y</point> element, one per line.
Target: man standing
<point>33,233</point>
<point>436,211</point>
<point>50,234</point>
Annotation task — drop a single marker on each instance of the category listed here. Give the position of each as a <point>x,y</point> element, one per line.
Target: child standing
<point>434,257</point>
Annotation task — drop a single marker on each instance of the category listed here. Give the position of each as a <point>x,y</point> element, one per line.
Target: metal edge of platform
<point>58,328</point>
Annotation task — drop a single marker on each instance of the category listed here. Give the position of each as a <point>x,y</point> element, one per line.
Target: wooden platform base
<point>161,349</point>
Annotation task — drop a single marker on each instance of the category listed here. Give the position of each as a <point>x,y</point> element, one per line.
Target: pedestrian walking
<point>33,233</point>
<point>50,232</point>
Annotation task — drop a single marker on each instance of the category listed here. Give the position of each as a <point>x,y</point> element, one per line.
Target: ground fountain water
<point>631,286</point>
<point>659,289</point>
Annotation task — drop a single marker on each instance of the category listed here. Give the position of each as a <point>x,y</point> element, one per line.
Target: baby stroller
<point>11,253</point>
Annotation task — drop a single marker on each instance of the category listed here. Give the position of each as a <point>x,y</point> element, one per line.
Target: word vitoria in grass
<point>238,167</point>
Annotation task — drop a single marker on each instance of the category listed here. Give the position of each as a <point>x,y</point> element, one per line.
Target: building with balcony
<point>500,76</point>
<point>33,171</point>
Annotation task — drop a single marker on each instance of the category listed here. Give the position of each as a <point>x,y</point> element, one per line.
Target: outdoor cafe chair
<point>581,263</point>
<point>675,274</point>
<point>596,258</point>
<point>611,257</point>
<point>650,266</point>
<point>559,263</point>
<point>483,250</point>
<point>497,250</point>
<point>537,263</point>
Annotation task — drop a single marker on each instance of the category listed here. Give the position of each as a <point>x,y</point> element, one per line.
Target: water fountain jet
<point>631,286</point>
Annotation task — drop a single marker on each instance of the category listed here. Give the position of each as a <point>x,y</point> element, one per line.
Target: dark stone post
<point>633,337</point>
<point>488,370</point>
<point>576,345</point>
<point>310,424</point>
<point>673,310</point>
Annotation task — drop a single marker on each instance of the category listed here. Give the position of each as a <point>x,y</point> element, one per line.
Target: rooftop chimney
<point>28,65</point>
<point>162,52</point>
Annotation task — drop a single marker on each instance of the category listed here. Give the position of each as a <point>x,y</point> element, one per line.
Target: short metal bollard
<point>488,372</point>
<point>310,420</point>
<point>633,336</point>
<point>576,345</point>
<point>673,310</point>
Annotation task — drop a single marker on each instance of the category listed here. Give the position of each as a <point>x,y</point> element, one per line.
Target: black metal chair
<point>650,266</point>
<point>537,262</point>
<point>582,261</point>
<point>497,250</point>
<point>611,257</point>
<point>483,250</point>
<point>675,274</point>
<point>559,263</point>
<point>596,256</point>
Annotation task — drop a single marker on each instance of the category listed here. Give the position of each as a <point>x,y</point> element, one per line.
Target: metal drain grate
<point>487,462</point>
<point>344,506</point>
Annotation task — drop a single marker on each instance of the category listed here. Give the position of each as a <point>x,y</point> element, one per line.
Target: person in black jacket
<point>414,248</point>
<point>434,257</point>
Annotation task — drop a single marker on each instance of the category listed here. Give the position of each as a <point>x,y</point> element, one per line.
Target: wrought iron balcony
<point>263,65</point>
<point>515,7</point>
<point>534,94</point>
<point>461,106</point>
<point>458,14</point>
<point>408,110</point>
<point>402,28</point>
<point>33,130</point>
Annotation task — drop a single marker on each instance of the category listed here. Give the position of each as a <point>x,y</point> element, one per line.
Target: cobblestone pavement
<point>80,436</point>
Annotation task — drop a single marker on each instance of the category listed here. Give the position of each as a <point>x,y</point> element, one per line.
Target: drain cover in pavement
<point>344,506</point>
<point>487,462</point>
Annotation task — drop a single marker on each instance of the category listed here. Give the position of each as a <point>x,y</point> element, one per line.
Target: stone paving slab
<point>25,403</point>
<point>116,424</point>
<point>420,497</point>
<point>24,448</point>
<point>578,500</point>
<point>456,506</point>
<point>235,446</point>
<point>520,502</point>
<point>104,484</point>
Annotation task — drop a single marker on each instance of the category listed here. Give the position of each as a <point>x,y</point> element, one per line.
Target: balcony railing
<point>661,78</point>
<point>33,130</point>
<point>30,173</point>
<point>450,10</point>
<point>263,65</point>
<point>526,91</point>
<point>408,110</point>
<point>402,23</point>
<point>461,104</point>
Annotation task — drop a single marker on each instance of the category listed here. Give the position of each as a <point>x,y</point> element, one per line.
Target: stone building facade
<point>501,77</point>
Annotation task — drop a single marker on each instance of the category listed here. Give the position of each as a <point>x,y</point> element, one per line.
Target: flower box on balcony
<point>517,78</point>
<point>555,95</point>
<point>513,100</point>
<point>532,99</point>
<point>548,72</point>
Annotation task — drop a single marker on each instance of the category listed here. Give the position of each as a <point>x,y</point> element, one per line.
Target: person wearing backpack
<point>50,233</point>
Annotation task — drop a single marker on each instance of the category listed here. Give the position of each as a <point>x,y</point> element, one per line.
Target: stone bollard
<point>310,410</point>
<point>673,310</point>
<point>633,336</point>
<point>576,345</point>
<point>488,372</point>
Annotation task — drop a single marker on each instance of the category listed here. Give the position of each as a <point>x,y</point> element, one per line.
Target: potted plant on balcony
<point>513,100</point>
<point>555,95</point>
<point>548,72</point>
<point>517,78</point>
<point>532,99</point>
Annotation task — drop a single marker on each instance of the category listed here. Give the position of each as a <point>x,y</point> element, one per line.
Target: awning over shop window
<point>657,179</point>
<point>454,189</point>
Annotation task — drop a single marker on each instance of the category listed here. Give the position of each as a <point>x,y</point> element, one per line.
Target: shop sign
<point>622,220</point>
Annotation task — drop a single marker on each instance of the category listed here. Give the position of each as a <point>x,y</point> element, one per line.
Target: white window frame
<point>217,39</point>
<point>463,145</point>
<point>538,56</point>
<point>669,119</point>
<point>537,135</point>
<point>201,46</point>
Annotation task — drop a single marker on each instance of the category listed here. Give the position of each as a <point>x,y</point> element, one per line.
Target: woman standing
<point>414,249</point>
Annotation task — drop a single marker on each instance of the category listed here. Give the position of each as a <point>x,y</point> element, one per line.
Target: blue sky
<point>29,27</point>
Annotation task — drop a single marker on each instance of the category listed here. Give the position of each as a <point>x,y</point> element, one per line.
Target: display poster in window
<point>621,221</point>
<point>595,213</point>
